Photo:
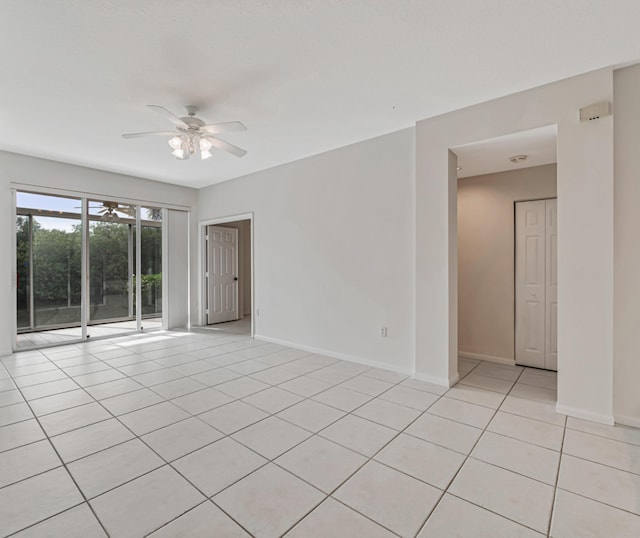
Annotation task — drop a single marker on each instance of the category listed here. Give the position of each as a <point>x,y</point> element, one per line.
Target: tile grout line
<point>136,436</point>
<point>399,383</point>
<point>444,491</point>
<point>197,416</point>
<point>555,487</point>
<point>268,461</point>
<point>56,367</point>
<point>484,430</point>
<point>369,458</point>
<point>226,436</point>
<point>151,448</point>
<point>68,472</point>
<point>310,398</point>
<point>273,414</point>
<point>167,425</point>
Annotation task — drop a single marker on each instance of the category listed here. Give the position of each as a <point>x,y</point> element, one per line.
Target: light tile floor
<point>211,433</point>
<point>29,340</point>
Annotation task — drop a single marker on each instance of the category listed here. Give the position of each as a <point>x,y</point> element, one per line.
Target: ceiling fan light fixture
<point>194,135</point>
<point>175,142</point>
<point>205,146</point>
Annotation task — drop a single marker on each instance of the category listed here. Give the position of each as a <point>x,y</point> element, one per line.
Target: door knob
<point>235,278</point>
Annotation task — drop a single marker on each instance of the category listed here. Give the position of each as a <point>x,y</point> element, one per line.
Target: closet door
<point>530,283</point>
<point>537,284</point>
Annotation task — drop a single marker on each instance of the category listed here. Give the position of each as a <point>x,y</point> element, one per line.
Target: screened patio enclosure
<point>77,267</point>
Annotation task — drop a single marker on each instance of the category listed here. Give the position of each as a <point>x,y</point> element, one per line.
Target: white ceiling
<point>305,76</point>
<point>493,155</point>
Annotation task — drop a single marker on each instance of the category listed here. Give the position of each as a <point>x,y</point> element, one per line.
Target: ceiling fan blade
<point>152,133</point>
<point>127,210</point>
<point>230,148</point>
<point>169,115</point>
<point>224,127</point>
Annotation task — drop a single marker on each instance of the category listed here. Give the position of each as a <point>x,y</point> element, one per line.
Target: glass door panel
<point>57,262</point>
<point>151,266</point>
<point>111,267</point>
<point>23,276</point>
<point>48,269</point>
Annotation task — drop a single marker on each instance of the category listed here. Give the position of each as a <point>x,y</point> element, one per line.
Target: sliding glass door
<point>55,252</point>
<point>111,267</point>
<point>48,272</point>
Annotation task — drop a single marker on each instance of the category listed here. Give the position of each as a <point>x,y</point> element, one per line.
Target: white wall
<point>486,256</point>
<point>585,227</point>
<point>175,282</point>
<point>333,248</point>
<point>36,174</point>
<point>627,246</point>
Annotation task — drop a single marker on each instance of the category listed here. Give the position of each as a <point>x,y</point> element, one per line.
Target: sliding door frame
<point>84,197</point>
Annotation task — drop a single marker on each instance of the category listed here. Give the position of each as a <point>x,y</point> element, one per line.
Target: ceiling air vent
<point>594,112</point>
<point>518,159</point>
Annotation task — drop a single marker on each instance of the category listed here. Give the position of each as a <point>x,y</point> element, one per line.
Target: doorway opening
<point>227,269</point>
<point>496,177</point>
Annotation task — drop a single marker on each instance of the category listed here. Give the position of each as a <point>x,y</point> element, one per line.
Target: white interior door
<point>551,339</point>
<point>536,284</point>
<point>222,274</point>
<point>530,283</point>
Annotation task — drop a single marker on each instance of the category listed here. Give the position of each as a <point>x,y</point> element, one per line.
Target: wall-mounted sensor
<point>596,111</point>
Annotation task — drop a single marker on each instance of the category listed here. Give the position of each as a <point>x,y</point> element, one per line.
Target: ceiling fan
<point>192,134</point>
<point>112,210</point>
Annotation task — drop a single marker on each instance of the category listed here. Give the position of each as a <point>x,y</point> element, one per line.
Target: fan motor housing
<point>193,122</point>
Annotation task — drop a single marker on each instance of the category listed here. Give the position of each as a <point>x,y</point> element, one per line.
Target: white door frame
<point>202,255</point>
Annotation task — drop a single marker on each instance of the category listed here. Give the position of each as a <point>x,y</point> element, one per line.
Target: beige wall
<point>486,256</point>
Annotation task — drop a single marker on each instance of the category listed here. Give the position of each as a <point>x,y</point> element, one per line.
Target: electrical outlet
<point>257,312</point>
<point>383,331</point>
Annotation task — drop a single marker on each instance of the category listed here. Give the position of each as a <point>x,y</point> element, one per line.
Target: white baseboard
<point>627,421</point>
<point>585,415</point>
<point>334,354</point>
<point>489,358</point>
<point>441,381</point>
